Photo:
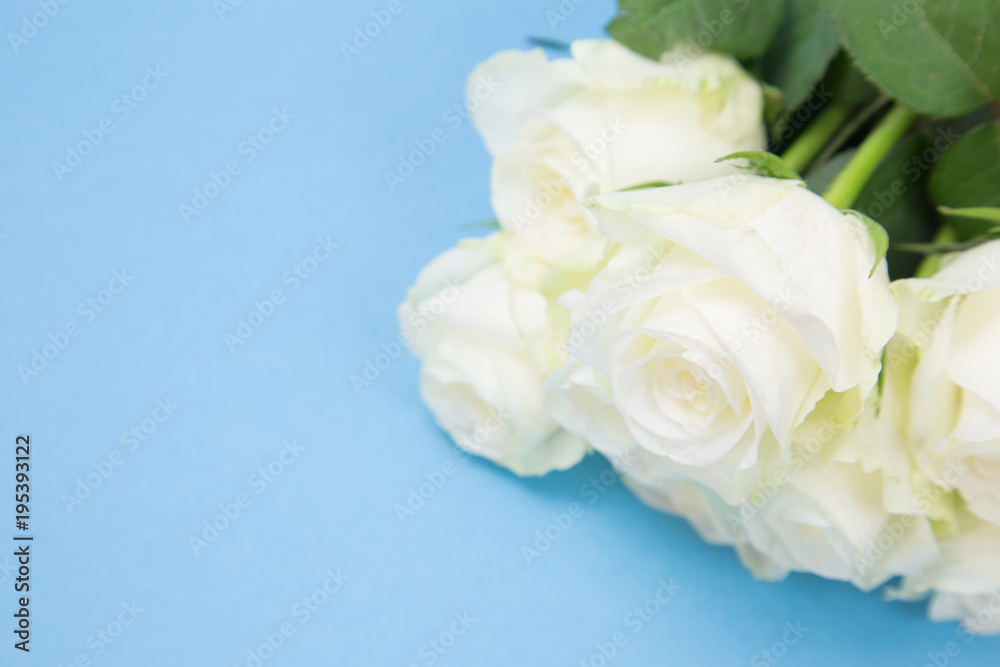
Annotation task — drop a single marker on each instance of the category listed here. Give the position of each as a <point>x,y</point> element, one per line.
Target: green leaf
<point>941,58</point>
<point>967,175</point>
<point>765,164</point>
<point>742,28</point>
<point>805,43</point>
<point>880,237</point>
<point>896,196</point>
<point>852,87</point>
<point>990,214</point>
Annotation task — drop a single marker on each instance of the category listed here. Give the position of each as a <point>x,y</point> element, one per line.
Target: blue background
<point>162,337</point>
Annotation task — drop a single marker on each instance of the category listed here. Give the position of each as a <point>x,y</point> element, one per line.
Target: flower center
<point>684,385</point>
<point>684,393</point>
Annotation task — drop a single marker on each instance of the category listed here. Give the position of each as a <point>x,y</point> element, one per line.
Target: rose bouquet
<point>744,251</point>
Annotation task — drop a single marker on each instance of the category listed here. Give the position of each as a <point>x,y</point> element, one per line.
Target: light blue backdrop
<point>115,578</point>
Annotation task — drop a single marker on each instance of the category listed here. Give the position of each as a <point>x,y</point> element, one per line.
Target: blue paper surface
<point>227,250</point>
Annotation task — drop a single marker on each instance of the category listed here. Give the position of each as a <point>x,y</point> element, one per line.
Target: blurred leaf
<point>742,28</point>
<point>968,176</point>
<point>850,84</point>
<point>805,43</point>
<point>895,196</point>
<point>990,214</point>
<point>941,58</point>
<point>765,164</point>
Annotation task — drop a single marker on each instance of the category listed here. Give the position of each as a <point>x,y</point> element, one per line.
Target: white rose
<point>840,507</point>
<point>579,398</point>
<point>483,340</point>
<point>965,580</point>
<point>944,367</point>
<point>609,117</point>
<point>728,314</point>
<point>843,508</point>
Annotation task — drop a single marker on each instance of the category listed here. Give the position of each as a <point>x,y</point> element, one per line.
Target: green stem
<point>931,263</point>
<point>861,117</point>
<point>848,184</point>
<point>808,145</point>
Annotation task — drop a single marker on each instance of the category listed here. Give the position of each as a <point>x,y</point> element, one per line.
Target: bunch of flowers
<point>664,287</point>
